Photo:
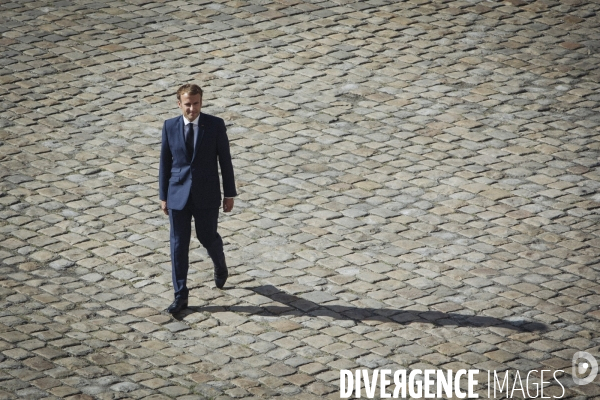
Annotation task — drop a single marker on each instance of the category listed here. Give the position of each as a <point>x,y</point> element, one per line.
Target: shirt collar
<point>195,122</point>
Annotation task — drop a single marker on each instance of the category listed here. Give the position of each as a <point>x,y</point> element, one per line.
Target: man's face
<point>190,105</point>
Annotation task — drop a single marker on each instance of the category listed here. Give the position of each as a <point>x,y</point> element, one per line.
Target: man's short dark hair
<point>189,88</point>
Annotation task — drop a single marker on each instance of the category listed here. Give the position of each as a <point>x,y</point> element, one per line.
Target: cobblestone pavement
<point>419,189</point>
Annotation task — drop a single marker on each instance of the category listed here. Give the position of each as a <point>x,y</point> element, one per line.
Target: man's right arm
<point>164,169</point>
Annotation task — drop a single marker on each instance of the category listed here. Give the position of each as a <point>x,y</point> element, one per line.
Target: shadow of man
<point>285,304</point>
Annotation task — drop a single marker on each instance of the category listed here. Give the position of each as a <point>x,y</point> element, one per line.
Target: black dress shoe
<point>221,272</point>
<point>177,306</point>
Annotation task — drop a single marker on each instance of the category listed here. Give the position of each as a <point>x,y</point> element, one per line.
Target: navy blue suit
<point>191,187</point>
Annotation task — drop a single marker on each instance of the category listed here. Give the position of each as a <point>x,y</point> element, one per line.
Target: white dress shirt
<point>186,122</point>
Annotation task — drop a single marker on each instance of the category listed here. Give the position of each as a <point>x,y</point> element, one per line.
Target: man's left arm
<point>224,155</point>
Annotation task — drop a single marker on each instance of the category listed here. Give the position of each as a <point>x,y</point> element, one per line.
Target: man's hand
<point>228,204</point>
<point>163,206</point>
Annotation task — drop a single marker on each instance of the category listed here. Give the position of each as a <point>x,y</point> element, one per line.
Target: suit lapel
<point>180,136</point>
<point>201,122</point>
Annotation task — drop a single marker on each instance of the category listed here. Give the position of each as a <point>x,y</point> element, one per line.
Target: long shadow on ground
<point>290,305</point>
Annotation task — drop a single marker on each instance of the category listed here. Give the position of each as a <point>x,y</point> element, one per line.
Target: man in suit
<point>192,144</point>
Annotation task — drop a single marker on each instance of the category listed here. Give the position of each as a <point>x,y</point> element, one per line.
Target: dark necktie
<point>189,140</point>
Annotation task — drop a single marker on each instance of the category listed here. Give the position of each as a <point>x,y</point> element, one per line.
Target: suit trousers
<point>205,222</point>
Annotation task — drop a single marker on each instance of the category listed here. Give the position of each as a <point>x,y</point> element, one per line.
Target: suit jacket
<point>179,175</point>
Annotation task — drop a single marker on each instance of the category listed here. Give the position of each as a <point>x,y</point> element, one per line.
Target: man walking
<point>189,186</point>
